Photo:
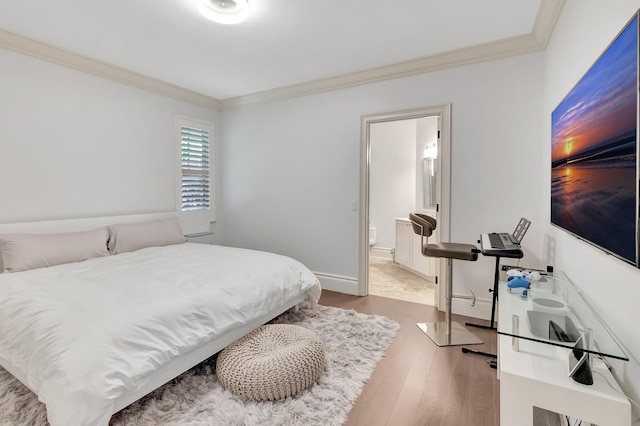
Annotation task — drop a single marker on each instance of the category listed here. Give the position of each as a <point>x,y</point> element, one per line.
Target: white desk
<point>536,375</point>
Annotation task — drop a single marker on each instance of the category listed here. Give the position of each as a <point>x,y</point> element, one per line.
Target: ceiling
<point>283,43</point>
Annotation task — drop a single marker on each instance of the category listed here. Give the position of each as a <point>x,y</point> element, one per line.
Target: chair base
<point>459,335</point>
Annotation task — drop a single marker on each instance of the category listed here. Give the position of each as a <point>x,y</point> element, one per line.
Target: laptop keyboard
<point>496,241</point>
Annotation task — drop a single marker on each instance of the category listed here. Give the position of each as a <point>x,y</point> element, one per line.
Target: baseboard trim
<point>349,285</point>
<point>482,309</point>
<point>338,283</point>
<point>381,253</point>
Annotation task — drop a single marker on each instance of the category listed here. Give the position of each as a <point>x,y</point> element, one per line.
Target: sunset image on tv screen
<point>593,151</point>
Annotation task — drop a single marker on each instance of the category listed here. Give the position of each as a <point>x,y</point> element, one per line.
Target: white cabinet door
<point>419,262</point>
<point>403,243</point>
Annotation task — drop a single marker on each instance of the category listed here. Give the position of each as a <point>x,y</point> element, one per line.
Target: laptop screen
<point>521,229</point>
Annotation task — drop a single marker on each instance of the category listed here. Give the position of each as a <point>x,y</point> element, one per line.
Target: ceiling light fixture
<point>224,11</point>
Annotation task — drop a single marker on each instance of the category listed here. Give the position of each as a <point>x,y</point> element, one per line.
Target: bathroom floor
<point>388,279</point>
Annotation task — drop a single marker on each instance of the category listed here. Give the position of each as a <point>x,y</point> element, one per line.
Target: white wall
<point>392,177</point>
<point>75,145</point>
<point>290,169</point>
<point>585,29</point>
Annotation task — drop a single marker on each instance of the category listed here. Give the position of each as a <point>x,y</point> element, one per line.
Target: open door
<point>432,174</point>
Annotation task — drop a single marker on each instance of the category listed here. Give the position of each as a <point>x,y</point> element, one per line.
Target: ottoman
<point>273,362</point>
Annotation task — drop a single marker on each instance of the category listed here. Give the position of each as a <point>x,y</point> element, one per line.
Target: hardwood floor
<point>417,382</point>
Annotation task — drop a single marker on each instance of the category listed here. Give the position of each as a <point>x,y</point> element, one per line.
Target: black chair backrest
<point>422,224</point>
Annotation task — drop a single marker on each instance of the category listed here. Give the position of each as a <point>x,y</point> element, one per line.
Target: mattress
<point>81,335</point>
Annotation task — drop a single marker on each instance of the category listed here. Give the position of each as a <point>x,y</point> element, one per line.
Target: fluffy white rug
<point>354,344</point>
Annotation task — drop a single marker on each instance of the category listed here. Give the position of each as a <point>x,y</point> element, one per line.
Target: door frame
<point>444,113</point>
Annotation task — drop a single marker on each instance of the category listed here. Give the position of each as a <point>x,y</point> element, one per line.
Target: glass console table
<point>552,311</point>
<point>547,339</point>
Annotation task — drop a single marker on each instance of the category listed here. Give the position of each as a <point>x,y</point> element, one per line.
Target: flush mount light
<point>224,11</point>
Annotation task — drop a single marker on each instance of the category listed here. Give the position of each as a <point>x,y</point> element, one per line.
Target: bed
<point>91,337</point>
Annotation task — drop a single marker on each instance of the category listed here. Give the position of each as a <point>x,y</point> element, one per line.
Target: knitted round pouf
<point>272,362</point>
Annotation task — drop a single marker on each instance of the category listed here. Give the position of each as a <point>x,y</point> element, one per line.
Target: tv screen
<point>594,151</point>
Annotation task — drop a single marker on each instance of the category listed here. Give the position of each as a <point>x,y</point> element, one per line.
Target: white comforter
<point>83,334</point>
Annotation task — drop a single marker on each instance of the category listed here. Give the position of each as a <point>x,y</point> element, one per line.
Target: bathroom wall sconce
<point>431,151</point>
<point>226,12</point>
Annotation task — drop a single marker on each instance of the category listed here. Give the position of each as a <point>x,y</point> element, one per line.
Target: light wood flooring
<point>388,279</point>
<point>417,382</point>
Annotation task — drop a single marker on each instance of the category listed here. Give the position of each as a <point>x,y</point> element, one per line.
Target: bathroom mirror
<point>429,177</point>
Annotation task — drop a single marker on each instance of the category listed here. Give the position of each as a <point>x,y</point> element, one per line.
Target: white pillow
<point>21,252</point>
<point>124,237</point>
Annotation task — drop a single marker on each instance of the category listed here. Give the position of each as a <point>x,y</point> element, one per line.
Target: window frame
<point>195,218</point>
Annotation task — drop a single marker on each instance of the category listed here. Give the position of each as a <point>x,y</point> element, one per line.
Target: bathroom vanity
<point>409,251</point>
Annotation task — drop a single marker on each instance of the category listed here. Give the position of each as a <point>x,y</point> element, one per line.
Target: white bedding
<point>83,334</point>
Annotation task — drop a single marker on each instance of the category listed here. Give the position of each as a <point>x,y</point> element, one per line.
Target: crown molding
<point>470,55</point>
<point>546,21</point>
<point>535,41</point>
<point>70,59</point>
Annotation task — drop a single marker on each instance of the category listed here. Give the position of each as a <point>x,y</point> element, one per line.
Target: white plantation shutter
<point>194,159</point>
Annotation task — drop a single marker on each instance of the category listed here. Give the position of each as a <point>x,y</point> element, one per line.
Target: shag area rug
<point>354,343</point>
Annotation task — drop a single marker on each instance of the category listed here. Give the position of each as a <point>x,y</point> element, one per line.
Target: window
<point>195,193</point>
<point>194,161</point>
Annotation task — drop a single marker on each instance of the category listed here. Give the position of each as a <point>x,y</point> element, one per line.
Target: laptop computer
<point>505,240</point>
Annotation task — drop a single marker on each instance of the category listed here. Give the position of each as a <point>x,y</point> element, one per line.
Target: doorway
<point>405,167</point>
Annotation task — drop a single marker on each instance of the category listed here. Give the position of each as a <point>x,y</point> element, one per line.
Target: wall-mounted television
<point>594,146</point>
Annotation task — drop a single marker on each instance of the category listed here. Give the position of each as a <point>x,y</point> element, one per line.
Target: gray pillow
<point>125,237</point>
<point>22,252</point>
